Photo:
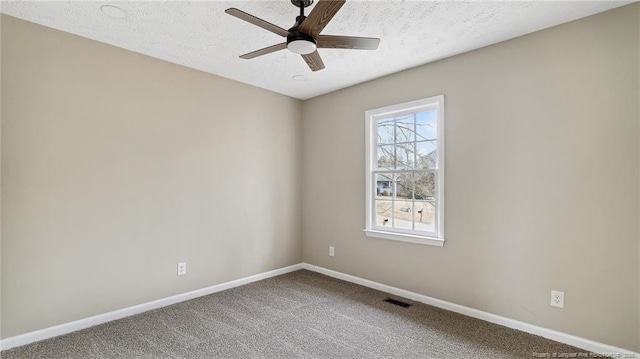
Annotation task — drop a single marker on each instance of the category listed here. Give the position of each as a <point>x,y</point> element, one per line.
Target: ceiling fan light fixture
<point>302,46</point>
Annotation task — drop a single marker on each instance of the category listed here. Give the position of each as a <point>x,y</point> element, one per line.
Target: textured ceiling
<point>199,34</point>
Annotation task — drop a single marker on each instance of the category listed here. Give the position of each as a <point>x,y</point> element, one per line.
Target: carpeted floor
<point>297,315</point>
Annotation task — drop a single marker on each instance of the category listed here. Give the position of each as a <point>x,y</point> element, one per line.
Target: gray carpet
<point>297,315</point>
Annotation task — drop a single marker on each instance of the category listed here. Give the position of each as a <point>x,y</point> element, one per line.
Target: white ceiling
<point>200,35</point>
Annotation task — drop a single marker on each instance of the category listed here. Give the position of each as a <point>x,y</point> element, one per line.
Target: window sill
<point>431,241</point>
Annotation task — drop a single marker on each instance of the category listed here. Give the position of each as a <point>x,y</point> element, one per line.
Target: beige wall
<point>541,179</point>
<point>117,166</point>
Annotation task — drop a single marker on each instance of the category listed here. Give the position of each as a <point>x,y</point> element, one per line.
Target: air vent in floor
<point>397,302</point>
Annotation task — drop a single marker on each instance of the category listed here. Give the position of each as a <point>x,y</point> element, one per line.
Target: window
<point>405,172</point>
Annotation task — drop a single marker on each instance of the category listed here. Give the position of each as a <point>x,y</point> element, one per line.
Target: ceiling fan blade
<point>257,21</point>
<point>314,61</point>
<point>320,16</point>
<point>347,42</point>
<point>266,50</point>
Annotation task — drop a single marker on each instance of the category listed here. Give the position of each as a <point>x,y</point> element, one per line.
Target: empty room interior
<point>320,179</point>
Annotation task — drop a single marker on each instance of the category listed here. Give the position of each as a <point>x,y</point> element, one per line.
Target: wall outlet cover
<point>182,268</point>
<point>557,299</point>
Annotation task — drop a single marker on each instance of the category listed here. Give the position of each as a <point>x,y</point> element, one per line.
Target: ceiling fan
<point>304,37</point>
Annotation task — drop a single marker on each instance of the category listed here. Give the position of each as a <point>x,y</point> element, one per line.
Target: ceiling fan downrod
<point>301,4</point>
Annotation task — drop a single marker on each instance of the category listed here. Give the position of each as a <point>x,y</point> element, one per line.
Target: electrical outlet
<point>557,299</point>
<point>331,251</point>
<point>182,268</point>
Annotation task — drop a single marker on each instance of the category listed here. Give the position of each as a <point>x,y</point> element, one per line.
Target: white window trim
<point>437,239</point>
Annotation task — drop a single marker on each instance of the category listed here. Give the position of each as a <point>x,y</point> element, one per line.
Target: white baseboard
<point>557,336</point>
<point>66,328</point>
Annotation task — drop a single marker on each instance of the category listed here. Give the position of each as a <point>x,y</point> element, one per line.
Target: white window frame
<point>371,116</point>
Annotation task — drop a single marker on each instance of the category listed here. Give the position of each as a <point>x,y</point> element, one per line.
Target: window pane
<point>384,186</point>
<point>404,186</point>
<point>405,156</point>
<point>424,216</point>
<point>405,129</point>
<point>426,125</point>
<point>424,186</point>
<point>386,131</point>
<point>402,213</point>
<point>383,213</point>
<point>427,154</point>
<point>386,157</point>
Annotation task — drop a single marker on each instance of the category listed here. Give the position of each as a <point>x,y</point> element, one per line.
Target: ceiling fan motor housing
<point>300,43</point>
